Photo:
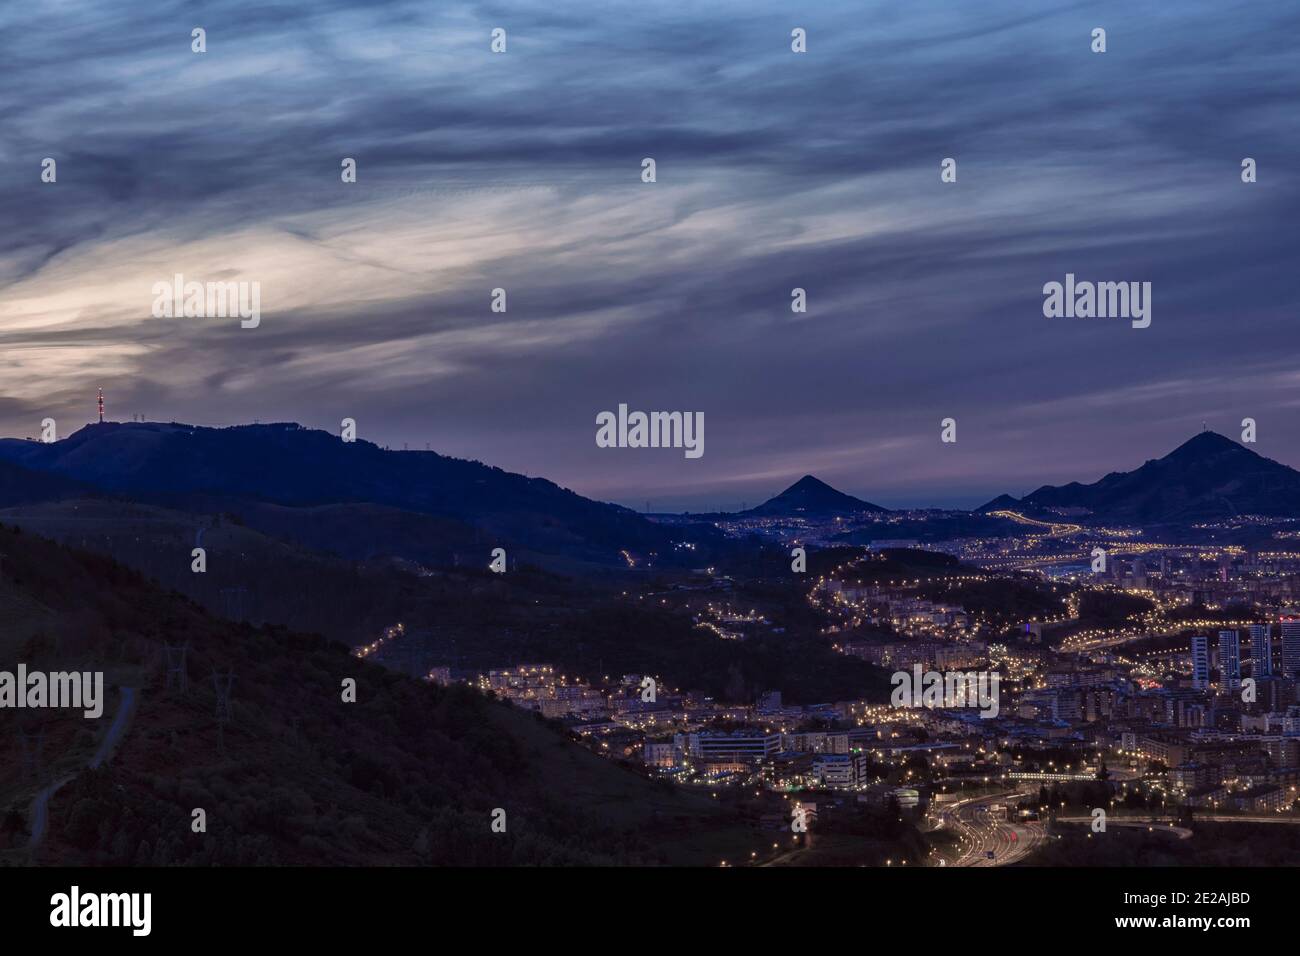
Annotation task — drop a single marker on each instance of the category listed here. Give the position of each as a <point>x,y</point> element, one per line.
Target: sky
<point>775,170</point>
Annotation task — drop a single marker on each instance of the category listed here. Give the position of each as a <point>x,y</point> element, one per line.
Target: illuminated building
<point>1261,650</point>
<point>840,770</point>
<point>741,746</point>
<point>1290,647</point>
<point>1229,660</point>
<point>1200,662</point>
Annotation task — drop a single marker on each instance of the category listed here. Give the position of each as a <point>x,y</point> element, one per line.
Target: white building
<point>840,770</point>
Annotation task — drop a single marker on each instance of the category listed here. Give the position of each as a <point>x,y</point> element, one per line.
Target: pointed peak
<point>1000,503</point>
<point>1208,439</point>
<point>810,495</point>
<point>809,482</point>
<point>1206,443</point>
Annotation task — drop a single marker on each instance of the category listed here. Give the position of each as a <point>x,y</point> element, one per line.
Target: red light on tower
<point>101,406</point>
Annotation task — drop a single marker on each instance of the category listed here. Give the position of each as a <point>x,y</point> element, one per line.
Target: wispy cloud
<point>522,170</point>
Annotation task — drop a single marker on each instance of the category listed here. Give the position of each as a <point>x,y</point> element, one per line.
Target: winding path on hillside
<point>40,809</point>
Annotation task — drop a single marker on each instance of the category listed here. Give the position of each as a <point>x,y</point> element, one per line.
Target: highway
<point>1161,826</point>
<point>1198,817</point>
<point>982,833</point>
<point>1052,529</point>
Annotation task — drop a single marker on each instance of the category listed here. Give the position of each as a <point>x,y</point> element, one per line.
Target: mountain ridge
<point>286,464</point>
<point>1207,477</point>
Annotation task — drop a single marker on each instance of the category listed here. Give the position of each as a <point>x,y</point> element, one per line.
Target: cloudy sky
<point>775,170</point>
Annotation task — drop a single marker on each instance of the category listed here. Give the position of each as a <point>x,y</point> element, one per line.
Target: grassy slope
<point>409,773</point>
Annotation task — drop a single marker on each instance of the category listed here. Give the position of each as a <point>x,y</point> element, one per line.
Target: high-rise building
<point>1290,647</point>
<point>1229,660</point>
<point>1261,650</point>
<point>1201,661</point>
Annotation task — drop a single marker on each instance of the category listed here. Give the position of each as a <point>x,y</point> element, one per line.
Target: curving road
<point>982,833</point>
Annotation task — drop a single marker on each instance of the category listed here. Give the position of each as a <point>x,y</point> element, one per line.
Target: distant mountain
<point>1000,503</point>
<point>1205,478</point>
<point>242,469</point>
<point>20,486</point>
<point>810,496</point>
